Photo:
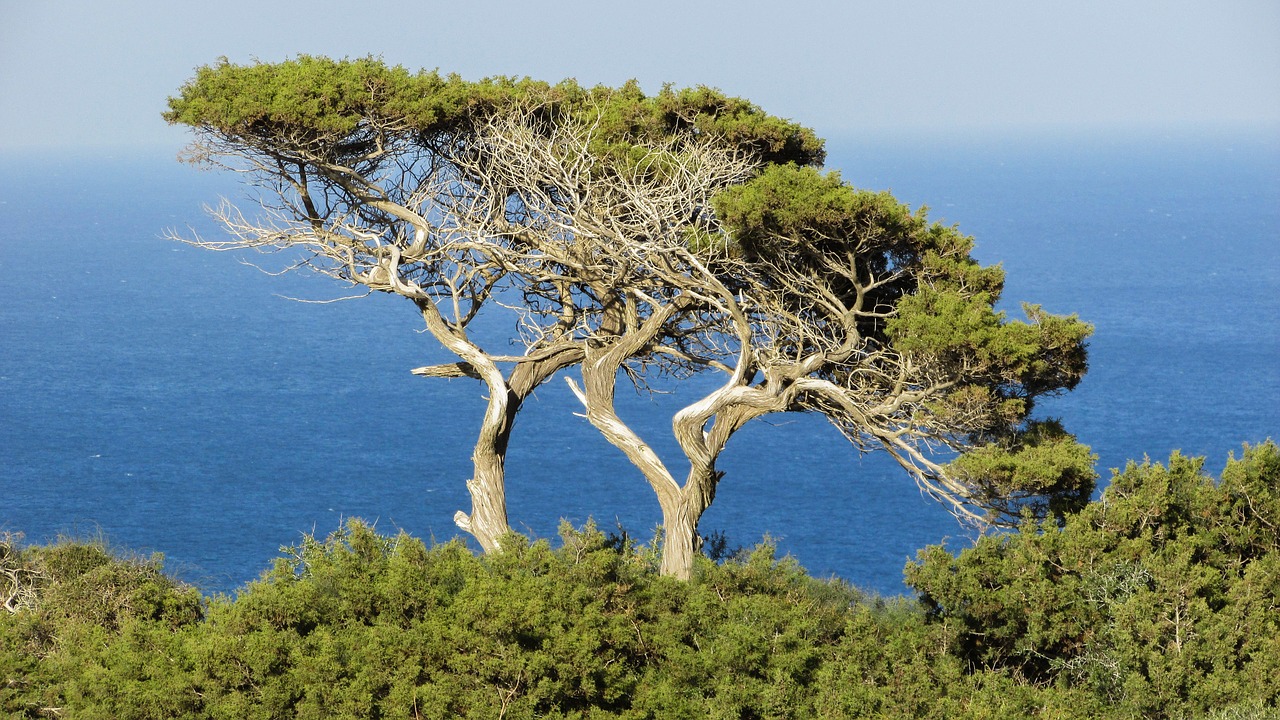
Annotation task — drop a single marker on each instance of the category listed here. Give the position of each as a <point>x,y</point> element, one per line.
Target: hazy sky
<point>83,72</point>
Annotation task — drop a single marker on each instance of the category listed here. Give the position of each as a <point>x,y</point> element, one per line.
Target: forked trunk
<point>487,522</point>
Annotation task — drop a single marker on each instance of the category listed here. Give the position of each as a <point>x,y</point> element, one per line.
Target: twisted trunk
<point>726,410</point>
<point>487,521</point>
<point>681,512</point>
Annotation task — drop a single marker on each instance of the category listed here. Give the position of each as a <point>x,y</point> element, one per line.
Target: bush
<point>360,625</point>
<point>1155,601</point>
<point>95,630</point>
<point>1159,599</point>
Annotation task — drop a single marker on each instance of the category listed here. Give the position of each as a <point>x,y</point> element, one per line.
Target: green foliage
<point>356,110</point>
<point>628,118</point>
<point>97,630</point>
<point>359,625</point>
<point>1156,601</point>
<point>1040,469</point>
<point>1159,599</point>
<point>802,223</point>
<point>939,300</point>
<point>914,291</point>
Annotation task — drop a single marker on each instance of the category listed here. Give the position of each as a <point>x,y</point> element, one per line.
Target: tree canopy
<point>355,110</point>
<point>899,326</point>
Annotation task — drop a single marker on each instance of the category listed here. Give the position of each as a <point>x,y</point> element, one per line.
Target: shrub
<point>95,631</point>
<point>1159,598</point>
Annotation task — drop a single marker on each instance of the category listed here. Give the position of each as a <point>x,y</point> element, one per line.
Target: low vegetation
<point>1160,599</point>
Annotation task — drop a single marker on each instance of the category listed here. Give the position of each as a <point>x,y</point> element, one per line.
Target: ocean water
<point>176,401</point>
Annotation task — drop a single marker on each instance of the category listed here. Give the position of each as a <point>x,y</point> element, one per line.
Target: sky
<point>91,73</point>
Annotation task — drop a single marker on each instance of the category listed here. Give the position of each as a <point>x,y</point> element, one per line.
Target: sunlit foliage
<point>1156,601</point>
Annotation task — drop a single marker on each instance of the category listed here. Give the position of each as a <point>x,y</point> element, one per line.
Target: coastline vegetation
<point>1158,600</point>
<point>658,237</point>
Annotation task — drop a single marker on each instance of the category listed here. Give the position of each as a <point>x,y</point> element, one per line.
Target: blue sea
<point>177,401</point>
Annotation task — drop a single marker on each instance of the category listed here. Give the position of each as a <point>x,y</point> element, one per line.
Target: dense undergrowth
<point>1161,599</point>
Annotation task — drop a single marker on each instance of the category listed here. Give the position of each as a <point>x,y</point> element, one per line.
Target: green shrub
<point>1156,601</point>
<point>97,632</point>
<point>1159,598</point>
<point>360,625</point>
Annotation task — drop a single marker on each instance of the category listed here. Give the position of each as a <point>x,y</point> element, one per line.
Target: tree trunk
<point>680,541</point>
<point>681,513</point>
<point>487,521</point>
<point>726,410</point>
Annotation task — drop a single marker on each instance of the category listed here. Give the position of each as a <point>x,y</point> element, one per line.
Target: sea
<point>185,402</point>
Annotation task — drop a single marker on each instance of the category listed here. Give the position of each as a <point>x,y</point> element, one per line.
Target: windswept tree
<point>414,184</point>
<point>631,236</point>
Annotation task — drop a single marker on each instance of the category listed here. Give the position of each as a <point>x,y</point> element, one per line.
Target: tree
<point>414,184</point>
<point>672,234</point>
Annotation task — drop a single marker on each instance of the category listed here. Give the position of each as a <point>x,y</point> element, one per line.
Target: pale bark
<point>487,521</point>
<point>681,542</point>
<point>625,245</point>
